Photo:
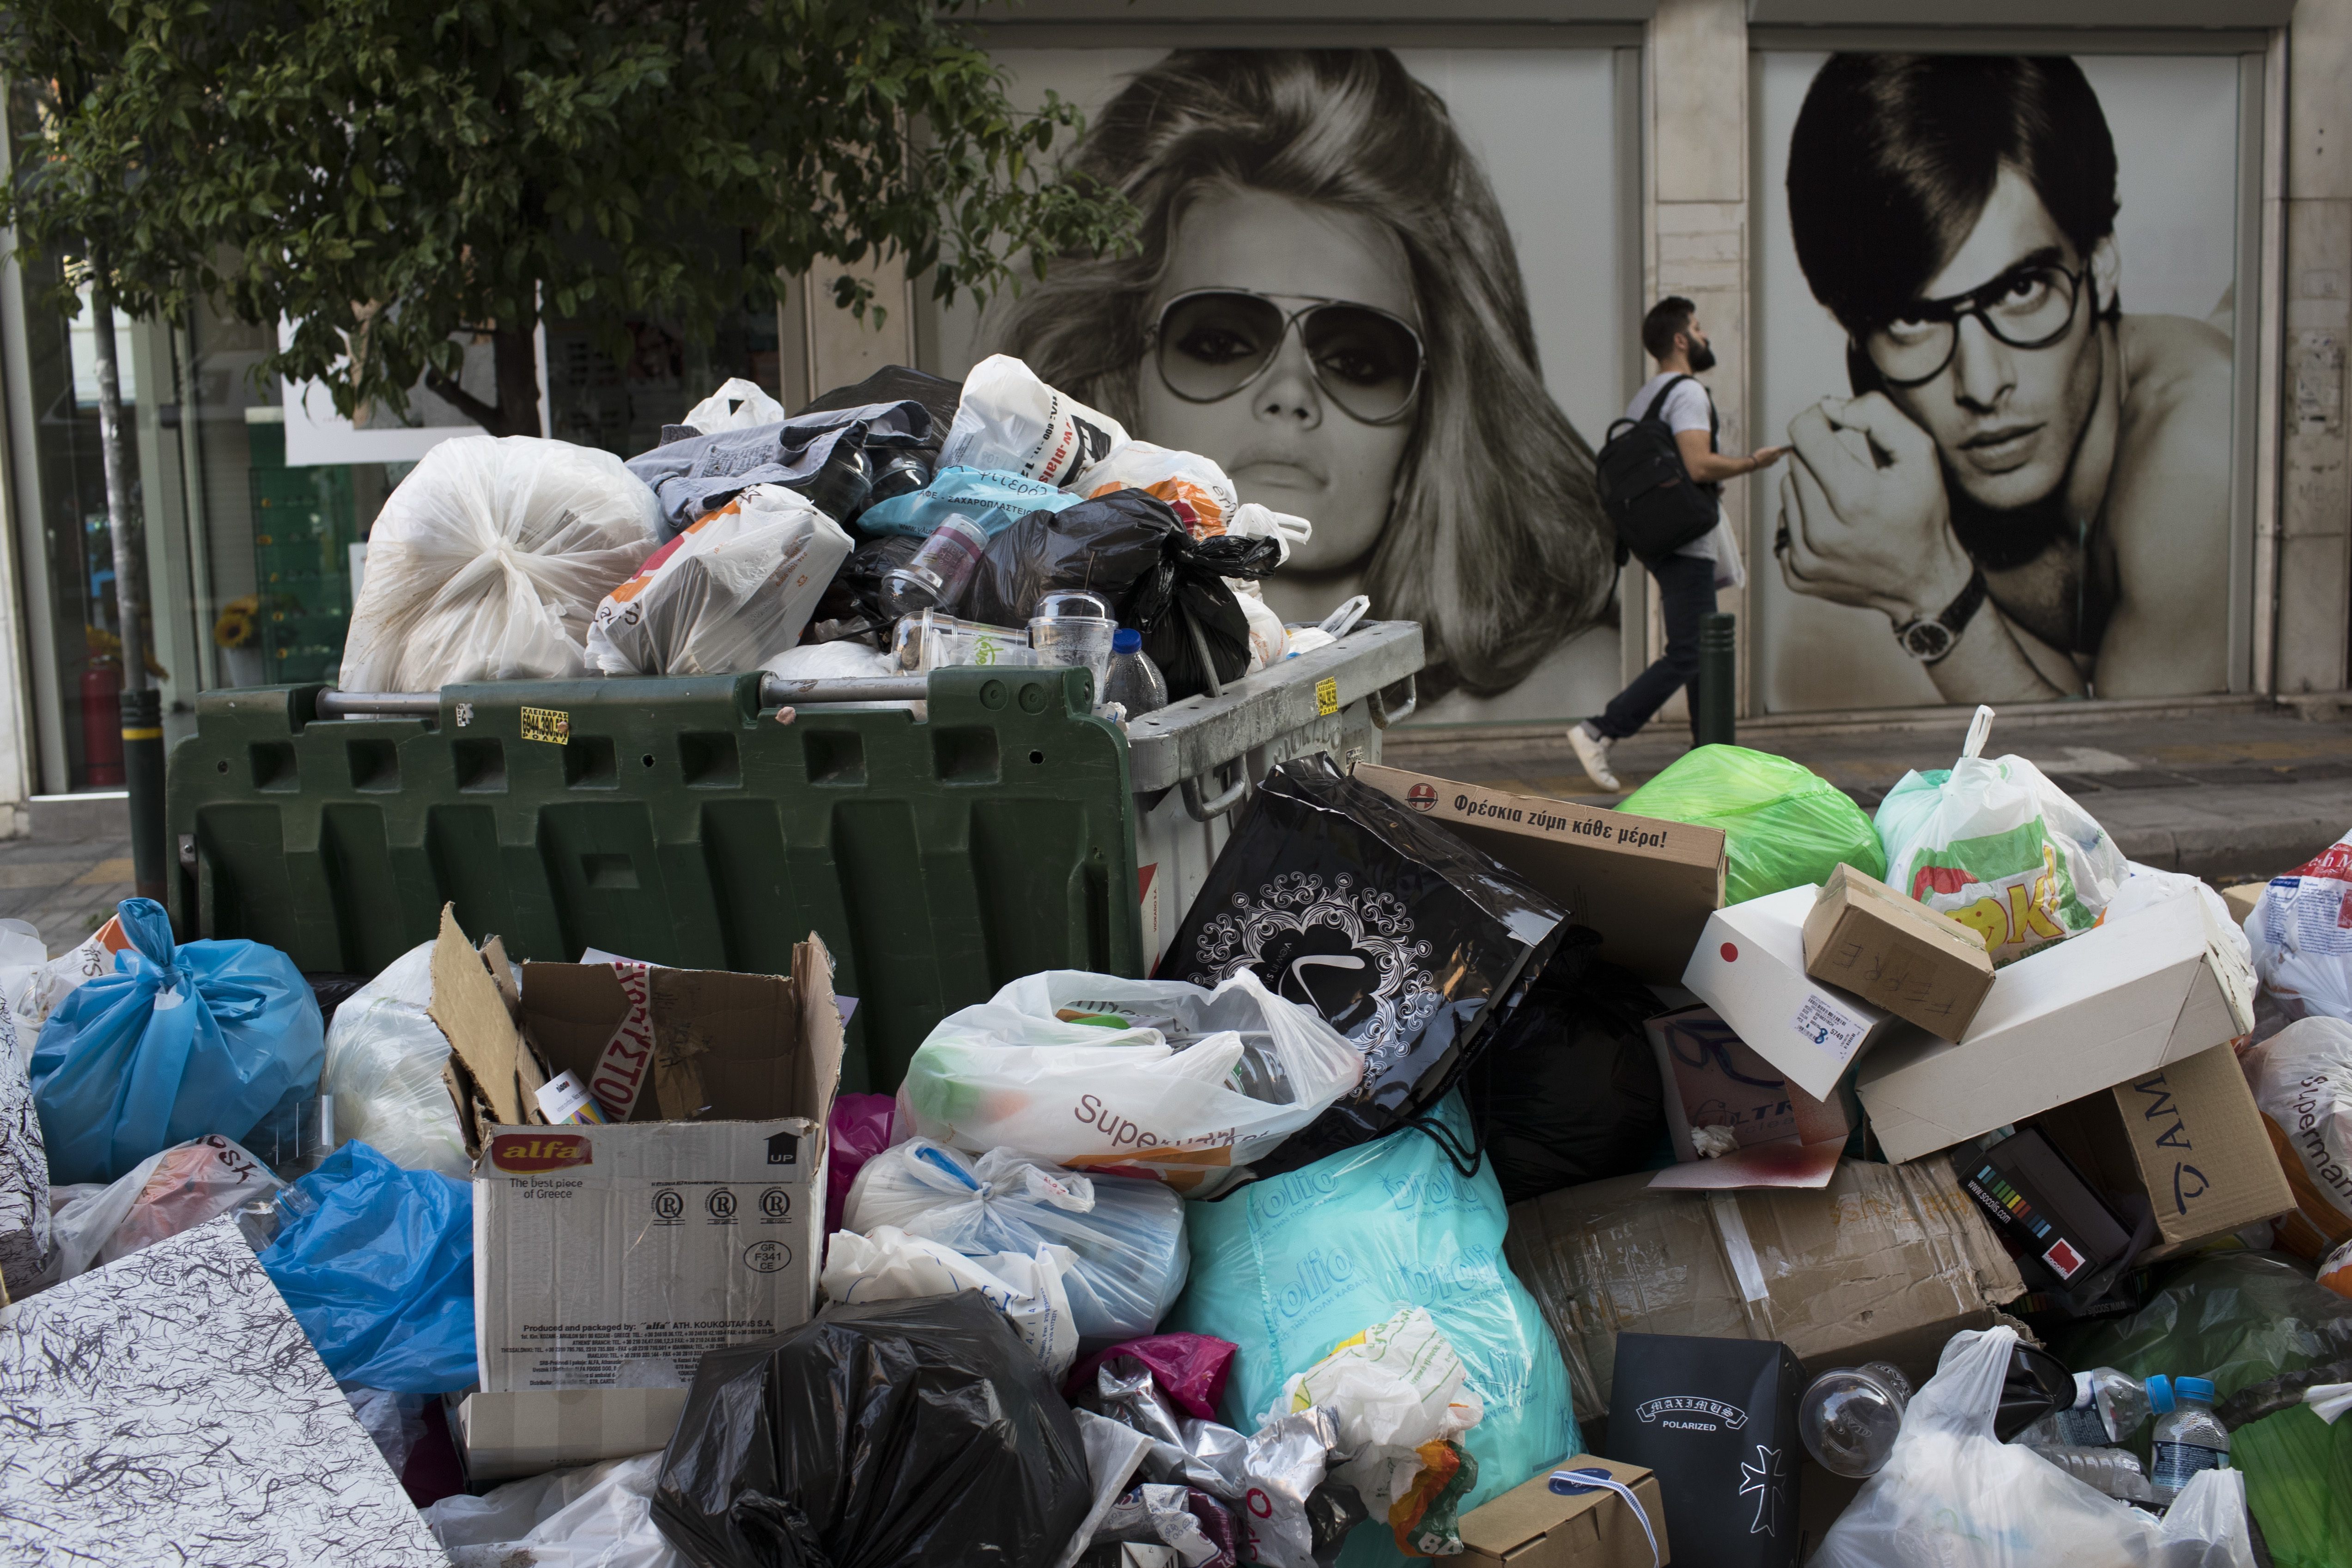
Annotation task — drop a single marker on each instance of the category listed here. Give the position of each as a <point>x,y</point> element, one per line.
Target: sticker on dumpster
<point>524,1152</point>
<point>550,724</point>
<point>1326,697</point>
<point>1835,1032</point>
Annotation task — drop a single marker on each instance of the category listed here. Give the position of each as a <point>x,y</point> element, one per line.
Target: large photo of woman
<point>1328,300</point>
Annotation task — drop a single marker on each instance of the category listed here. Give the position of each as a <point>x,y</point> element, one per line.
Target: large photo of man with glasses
<point>2028,482</point>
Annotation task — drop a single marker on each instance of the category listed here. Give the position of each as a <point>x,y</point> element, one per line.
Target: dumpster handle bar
<point>775,691</point>
<point>1383,715</point>
<point>1209,811</point>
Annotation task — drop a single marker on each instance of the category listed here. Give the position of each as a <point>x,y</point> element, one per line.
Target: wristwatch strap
<point>1957,613</point>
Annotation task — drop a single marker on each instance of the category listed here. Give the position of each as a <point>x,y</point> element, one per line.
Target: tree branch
<point>482,414</point>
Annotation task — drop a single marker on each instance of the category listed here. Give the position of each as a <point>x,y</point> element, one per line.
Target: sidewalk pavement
<point>64,889</point>
<point>2230,790</point>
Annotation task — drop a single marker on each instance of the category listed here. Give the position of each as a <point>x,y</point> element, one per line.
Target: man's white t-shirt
<point>1687,408</point>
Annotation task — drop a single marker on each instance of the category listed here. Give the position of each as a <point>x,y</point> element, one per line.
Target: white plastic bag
<point>2302,937</point>
<point>733,590</point>
<point>163,1194</point>
<point>737,405</point>
<point>1009,419</point>
<point>891,1266</point>
<point>1952,1495</point>
<point>2302,1078</point>
<point>1127,1233</point>
<point>1195,489</point>
<point>1390,1390</point>
<point>384,1059</point>
<point>601,1517</point>
<point>2145,886</point>
<point>1197,1084</point>
<point>2000,848</point>
<point>1251,521</point>
<point>1269,639</point>
<point>488,561</point>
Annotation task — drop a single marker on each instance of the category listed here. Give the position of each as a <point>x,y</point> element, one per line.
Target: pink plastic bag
<point>860,1129</point>
<point>1190,1369</point>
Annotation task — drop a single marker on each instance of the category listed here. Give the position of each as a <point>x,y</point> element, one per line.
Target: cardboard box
<point>1712,1078</point>
<point>1647,885</point>
<point>611,1256</point>
<point>1531,1526</point>
<point>2122,1001</point>
<point>1897,953</point>
<point>1716,1420</point>
<point>1750,966</point>
<point>1884,1263</point>
<point>2187,1139</point>
<point>508,1434</point>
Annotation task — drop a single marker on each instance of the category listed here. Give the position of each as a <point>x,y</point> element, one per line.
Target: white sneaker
<point>1594,754</point>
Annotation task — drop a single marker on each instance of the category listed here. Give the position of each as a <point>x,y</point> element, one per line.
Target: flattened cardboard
<point>1646,885</point>
<point>527,1433</point>
<point>492,1073</point>
<point>1885,1263</point>
<point>1896,952</point>
<point>1531,1526</point>
<point>2123,1000</point>
<point>1750,966</point>
<point>2187,1137</point>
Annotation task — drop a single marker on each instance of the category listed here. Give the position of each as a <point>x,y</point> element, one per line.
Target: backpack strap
<point>1659,402</point>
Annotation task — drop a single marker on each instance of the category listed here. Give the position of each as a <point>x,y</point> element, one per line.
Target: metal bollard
<point>1719,674</point>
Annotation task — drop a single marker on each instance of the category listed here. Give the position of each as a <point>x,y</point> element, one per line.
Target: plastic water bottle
<point>2115,1471</point>
<point>1848,1417</point>
<point>2109,1408</point>
<point>1134,681</point>
<point>2189,1436</point>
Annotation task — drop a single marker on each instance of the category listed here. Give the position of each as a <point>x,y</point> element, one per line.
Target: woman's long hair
<point>1495,543</point>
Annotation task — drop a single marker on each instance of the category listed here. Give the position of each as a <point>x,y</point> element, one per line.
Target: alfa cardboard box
<point>611,1256</point>
<point>1750,966</point>
<point>2122,1001</point>
<point>2188,1140</point>
<point>1646,885</point>
<point>1885,1263</point>
<point>1531,1526</point>
<point>1894,952</point>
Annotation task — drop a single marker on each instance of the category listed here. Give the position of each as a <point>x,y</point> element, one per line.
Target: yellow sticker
<point>1326,697</point>
<point>547,724</point>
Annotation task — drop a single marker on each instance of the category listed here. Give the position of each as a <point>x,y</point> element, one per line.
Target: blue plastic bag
<point>995,500</point>
<point>378,1265</point>
<point>177,1043</point>
<point>1288,1267</point>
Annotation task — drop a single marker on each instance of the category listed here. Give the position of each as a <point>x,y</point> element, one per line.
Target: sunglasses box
<point>1896,952</point>
<point>1531,1526</point>
<point>1750,966</point>
<point>1716,1420</point>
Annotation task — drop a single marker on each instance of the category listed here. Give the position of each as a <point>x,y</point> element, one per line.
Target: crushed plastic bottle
<point>2115,1471</point>
<point>2109,1408</point>
<point>2189,1436</point>
<point>1134,681</point>
<point>1849,1417</point>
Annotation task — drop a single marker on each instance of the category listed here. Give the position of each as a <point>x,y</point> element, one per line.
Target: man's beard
<point>2000,537</point>
<point>1702,357</point>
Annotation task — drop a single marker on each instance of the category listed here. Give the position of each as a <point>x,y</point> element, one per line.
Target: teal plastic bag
<point>995,500</point>
<point>378,1265</point>
<point>1784,826</point>
<point>180,1041</point>
<point>1288,1267</point>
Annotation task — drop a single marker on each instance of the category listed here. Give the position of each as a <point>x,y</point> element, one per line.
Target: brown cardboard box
<point>2189,1137</point>
<point>1884,1263</point>
<point>2241,898</point>
<point>1912,960</point>
<point>1646,885</point>
<point>1531,1526</point>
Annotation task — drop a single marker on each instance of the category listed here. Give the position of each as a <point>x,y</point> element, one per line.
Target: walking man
<point>1688,578</point>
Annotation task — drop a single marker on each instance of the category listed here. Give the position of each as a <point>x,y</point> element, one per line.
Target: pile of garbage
<point>1729,1178</point>
<point>901,524</point>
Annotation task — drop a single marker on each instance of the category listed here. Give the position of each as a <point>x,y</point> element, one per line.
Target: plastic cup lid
<point>1127,639</point>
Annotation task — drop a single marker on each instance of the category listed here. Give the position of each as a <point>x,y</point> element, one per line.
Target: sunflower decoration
<point>105,650</point>
<point>240,623</point>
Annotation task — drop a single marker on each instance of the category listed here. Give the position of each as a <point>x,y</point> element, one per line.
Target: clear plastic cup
<point>933,638</point>
<point>936,577</point>
<point>1074,627</point>
<point>1849,1418</point>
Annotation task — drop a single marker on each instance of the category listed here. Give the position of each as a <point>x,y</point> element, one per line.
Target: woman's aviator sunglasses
<point>1211,343</point>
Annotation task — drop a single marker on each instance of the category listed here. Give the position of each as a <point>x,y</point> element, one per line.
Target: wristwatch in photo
<point>1930,640</point>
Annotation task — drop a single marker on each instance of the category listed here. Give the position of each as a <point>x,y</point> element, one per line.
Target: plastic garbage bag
<point>1191,1369</point>
<point>1291,1266</point>
<point>488,561</point>
<point>378,1265</point>
<point>599,1517</point>
<point>1286,1462</point>
<point>733,590</point>
<point>1407,939</point>
<point>395,1421</point>
<point>2303,948</point>
<point>737,405</point>
<point>1190,591</point>
<point>1113,1451</point>
<point>1030,1288</point>
<point>177,1042</point>
<point>2145,887</point>
<point>989,496</point>
<point>1009,419</point>
<point>32,984</point>
<point>901,1434</point>
<point>24,1170</point>
<point>1952,1494</point>
<point>1784,826</point>
<point>2000,848</point>
<point>163,1194</point>
<point>384,1058</point>
<point>1127,1233</point>
<point>1203,497</point>
<point>826,455</point>
<point>1196,1086</point>
<point>1193,1524</point>
<point>2302,1078</point>
<point>1186,1450</point>
<point>859,1129</point>
<point>1108,547</point>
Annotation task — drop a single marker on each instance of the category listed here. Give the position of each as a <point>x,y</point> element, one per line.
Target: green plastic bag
<point>1784,826</point>
<point>2240,1318</point>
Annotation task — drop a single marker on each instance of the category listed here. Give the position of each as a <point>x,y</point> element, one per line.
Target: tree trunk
<point>514,353</point>
<point>130,561</point>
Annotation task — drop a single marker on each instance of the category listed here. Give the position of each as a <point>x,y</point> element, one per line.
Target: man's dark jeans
<point>1686,592</point>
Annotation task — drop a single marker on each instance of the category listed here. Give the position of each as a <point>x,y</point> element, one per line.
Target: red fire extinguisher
<point>101,725</point>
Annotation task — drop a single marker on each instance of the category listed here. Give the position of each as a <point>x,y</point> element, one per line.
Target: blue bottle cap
<point>2194,1388</point>
<point>2159,1395</point>
<point>1126,640</point>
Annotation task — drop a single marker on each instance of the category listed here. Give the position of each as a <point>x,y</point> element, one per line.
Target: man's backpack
<point>1645,490</point>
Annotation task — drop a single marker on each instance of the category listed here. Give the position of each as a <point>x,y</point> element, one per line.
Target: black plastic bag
<point>1106,546</point>
<point>897,383</point>
<point>914,1434</point>
<point>1405,937</point>
<point>1568,1092</point>
<point>829,456</point>
<point>1187,589</point>
<point>851,604</point>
